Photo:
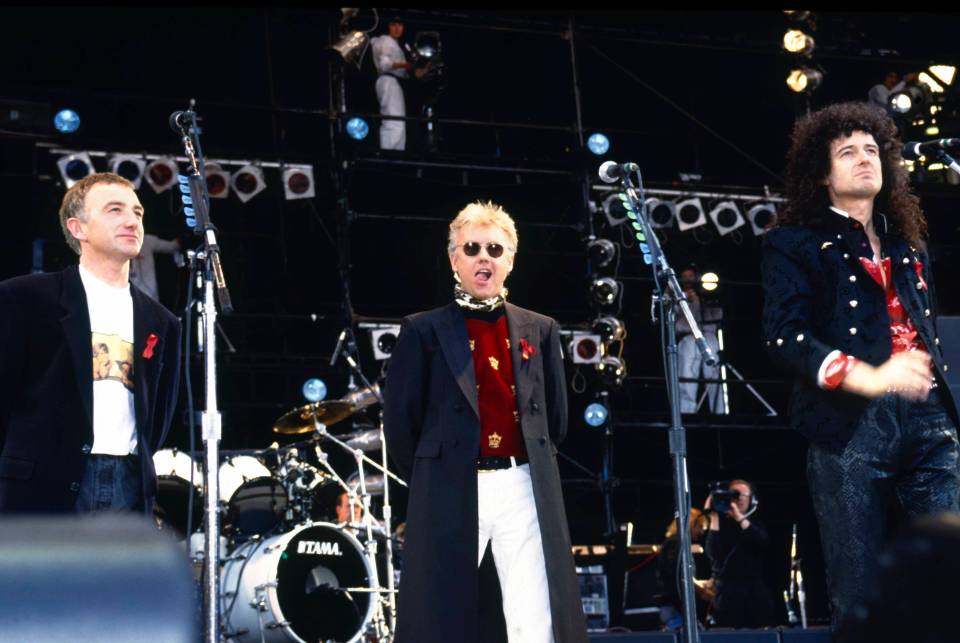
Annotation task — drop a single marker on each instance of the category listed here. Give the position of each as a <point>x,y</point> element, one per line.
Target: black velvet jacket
<point>817,298</point>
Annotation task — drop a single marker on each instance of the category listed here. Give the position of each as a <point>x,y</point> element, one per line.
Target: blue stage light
<point>314,390</point>
<point>357,128</point>
<point>598,143</point>
<point>595,414</point>
<point>66,121</point>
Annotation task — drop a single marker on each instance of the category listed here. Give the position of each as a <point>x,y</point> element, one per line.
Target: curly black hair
<point>808,163</point>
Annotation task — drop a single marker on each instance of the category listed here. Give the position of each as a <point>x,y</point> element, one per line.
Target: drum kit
<point>293,571</point>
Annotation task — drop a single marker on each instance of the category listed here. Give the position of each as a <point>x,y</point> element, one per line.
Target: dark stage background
<point>678,93</point>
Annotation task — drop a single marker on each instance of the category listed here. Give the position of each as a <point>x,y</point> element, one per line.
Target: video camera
<point>722,497</point>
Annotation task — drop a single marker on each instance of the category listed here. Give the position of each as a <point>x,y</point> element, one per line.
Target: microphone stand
<point>669,295</point>
<point>194,193</point>
<point>949,161</point>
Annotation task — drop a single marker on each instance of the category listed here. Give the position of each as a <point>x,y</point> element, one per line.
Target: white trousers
<point>508,520</point>
<point>690,362</point>
<point>393,134</point>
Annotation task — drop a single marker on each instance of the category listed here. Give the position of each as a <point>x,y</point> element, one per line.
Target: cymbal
<point>300,420</point>
<point>368,440</point>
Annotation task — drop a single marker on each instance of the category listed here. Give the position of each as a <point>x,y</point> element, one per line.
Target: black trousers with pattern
<point>905,448</point>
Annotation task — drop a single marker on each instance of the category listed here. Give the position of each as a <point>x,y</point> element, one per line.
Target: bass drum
<point>313,583</point>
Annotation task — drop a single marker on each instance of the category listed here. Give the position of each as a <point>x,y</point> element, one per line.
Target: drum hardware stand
<point>349,351</point>
<point>370,546</point>
<point>669,296</point>
<point>196,200</point>
<point>796,591</point>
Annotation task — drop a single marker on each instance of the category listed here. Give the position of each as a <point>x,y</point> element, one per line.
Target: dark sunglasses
<point>472,249</point>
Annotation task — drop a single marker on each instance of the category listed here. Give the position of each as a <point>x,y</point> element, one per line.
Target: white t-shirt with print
<point>111,341</point>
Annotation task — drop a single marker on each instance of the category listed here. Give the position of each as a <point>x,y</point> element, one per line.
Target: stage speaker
<point>740,636</point>
<point>949,329</point>
<point>810,635</point>
<point>110,579</point>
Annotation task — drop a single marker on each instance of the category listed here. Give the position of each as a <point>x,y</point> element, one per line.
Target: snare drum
<point>310,584</point>
<point>256,501</point>
<point>174,489</point>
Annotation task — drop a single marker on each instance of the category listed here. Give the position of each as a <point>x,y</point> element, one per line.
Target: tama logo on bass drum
<point>318,548</point>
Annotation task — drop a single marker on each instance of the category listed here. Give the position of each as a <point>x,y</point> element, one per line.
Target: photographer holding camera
<point>736,544</point>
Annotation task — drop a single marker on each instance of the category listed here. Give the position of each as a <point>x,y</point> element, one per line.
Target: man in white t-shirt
<point>89,367</point>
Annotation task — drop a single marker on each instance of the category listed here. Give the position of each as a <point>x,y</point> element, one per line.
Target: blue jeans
<point>909,449</point>
<point>111,483</point>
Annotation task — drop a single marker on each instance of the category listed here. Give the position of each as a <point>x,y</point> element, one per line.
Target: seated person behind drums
<point>343,509</point>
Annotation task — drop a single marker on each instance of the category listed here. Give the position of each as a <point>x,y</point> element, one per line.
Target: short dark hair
<point>808,164</point>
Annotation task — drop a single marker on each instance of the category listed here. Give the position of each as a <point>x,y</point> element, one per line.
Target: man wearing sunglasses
<point>475,404</point>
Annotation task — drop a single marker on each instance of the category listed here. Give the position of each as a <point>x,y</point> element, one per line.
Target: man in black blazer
<point>475,404</point>
<point>849,309</point>
<point>88,367</point>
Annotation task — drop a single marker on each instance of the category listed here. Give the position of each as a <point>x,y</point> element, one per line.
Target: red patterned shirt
<point>500,433</point>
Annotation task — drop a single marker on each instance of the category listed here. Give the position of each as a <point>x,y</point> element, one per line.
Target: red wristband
<point>837,370</point>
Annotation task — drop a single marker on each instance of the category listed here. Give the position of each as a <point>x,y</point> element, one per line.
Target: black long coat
<point>818,298</point>
<point>432,424</point>
<point>46,389</point>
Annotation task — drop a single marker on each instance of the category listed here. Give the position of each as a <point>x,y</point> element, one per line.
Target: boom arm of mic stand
<point>666,273</point>
<point>949,160</point>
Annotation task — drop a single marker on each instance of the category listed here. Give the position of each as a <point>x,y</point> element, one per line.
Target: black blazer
<point>46,389</point>
<point>818,297</point>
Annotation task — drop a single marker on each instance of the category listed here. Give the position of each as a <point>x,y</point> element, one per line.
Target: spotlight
<point>129,167</point>
<point>601,252</point>
<point>797,42</point>
<point>761,217</point>
<point>427,44</point>
<point>248,182</point>
<point>709,281</point>
<point>615,210</point>
<point>74,166</point>
<point>161,174</point>
<point>605,290</point>
<point>314,390</point>
<point>585,347</point>
<point>352,46</point>
<point>909,99</point>
<point>661,213</point>
<point>726,216</point>
<point>595,414</point>
<point>804,79</point>
<point>298,183</point>
<point>612,369</point>
<point>357,128</point>
<point>218,181</point>
<point>610,328</point>
<point>384,339</point>
<point>598,143</point>
<point>66,121</point>
<point>690,214</point>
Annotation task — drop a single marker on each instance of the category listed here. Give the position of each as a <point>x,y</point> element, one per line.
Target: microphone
<point>181,120</point>
<point>336,351</point>
<point>913,150</point>
<point>611,171</point>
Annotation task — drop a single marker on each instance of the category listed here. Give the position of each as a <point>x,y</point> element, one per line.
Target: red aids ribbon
<point>151,342</point>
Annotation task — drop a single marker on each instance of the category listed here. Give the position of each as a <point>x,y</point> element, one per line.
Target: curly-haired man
<point>849,309</point>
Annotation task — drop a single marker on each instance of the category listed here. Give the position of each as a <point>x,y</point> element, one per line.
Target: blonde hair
<point>480,213</point>
<point>73,201</point>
